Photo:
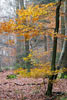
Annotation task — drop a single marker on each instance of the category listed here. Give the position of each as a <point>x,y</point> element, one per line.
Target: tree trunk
<point>27,51</point>
<point>45,41</point>
<point>20,4</point>
<point>53,68</point>
<point>63,56</point>
<point>45,47</point>
<point>28,64</point>
<point>62,26</point>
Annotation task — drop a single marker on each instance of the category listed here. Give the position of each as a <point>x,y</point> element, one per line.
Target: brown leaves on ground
<point>25,88</point>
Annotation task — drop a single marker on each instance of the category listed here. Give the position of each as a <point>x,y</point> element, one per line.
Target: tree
<point>63,56</point>
<point>19,5</point>
<point>31,26</point>
<point>53,67</point>
<point>62,24</point>
<point>28,25</point>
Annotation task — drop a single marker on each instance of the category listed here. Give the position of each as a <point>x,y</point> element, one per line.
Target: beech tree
<point>63,56</point>
<point>28,25</point>
<point>53,66</point>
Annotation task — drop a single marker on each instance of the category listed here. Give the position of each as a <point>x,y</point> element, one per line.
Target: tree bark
<point>63,56</point>
<point>53,68</point>
<point>20,4</point>
<point>62,26</point>
<point>27,51</point>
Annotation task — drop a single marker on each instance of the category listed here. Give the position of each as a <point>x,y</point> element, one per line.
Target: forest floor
<point>26,88</point>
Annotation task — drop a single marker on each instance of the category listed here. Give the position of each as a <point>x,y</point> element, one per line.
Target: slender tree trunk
<point>53,68</point>
<point>62,26</point>
<point>20,4</point>
<point>63,56</point>
<point>45,47</point>
<point>27,51</point>
<point>45,41</point>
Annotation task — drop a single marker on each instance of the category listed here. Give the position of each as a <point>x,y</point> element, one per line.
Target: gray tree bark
<point>62,25</point>
<point>63,56</point>
<point>20,4</point>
